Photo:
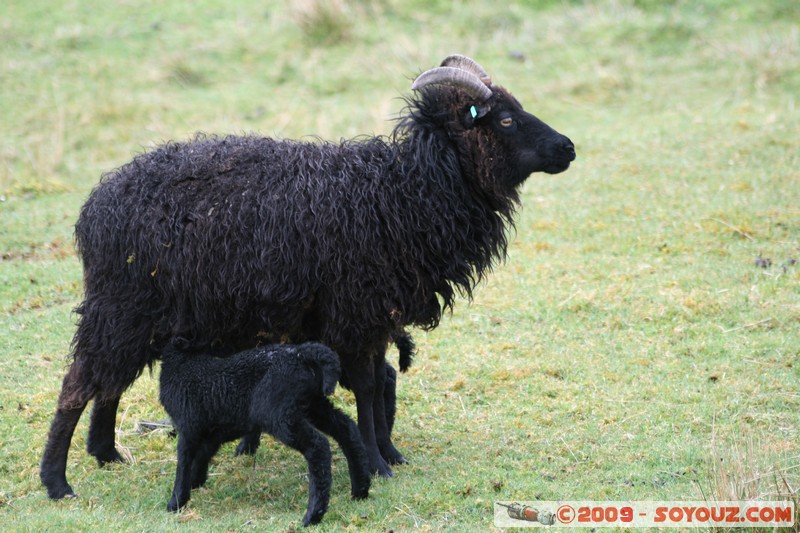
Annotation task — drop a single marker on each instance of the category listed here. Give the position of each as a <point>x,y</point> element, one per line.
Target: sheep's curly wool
<point>221,240</point>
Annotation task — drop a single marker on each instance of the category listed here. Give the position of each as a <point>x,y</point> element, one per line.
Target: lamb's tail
<point>324,361</point>
<point>405,347</point>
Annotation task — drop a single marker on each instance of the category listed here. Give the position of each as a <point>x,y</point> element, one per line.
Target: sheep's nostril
<point>568,149</point>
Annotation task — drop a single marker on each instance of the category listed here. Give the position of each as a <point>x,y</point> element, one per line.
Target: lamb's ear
<point>329,381</point>
<point>329,375</point>
<point>331,372</point>
<point>180,343</point>
<point>326,370</point>
<point>474,113</point>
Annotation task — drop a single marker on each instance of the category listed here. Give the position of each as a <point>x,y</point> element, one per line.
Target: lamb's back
<point>201,389</point>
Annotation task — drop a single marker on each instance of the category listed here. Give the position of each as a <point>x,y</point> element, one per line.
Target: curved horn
<point>454,77</point>
<point>468,64</point>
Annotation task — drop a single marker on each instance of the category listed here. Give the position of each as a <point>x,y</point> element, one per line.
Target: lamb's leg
<point>249,443</point>
<point>100,442</point>
<point>183,474</point>
<point>361,376</point>
<point>299,434</point>
<point>207,449</point>
<point>71,403</point>
<point>345,432</point>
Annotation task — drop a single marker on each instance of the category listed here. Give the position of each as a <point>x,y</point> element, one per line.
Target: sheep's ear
<point>474,113</point>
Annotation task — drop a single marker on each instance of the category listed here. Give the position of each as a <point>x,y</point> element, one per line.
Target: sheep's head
<point>504,143</point>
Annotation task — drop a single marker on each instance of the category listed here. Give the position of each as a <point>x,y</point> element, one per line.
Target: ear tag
<point>473,112</point>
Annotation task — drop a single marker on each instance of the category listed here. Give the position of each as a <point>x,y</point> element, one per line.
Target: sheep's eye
<point>506,122</point>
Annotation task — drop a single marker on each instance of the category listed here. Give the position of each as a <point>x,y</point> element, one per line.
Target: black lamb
<point>249,239</point>
<point>280,389</point>
<point>405,347</point>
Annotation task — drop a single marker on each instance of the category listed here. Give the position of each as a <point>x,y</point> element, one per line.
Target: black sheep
<point>249,239</point>
<point>280,389</point>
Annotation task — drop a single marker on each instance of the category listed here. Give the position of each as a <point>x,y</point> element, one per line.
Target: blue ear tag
<point>473,111</point>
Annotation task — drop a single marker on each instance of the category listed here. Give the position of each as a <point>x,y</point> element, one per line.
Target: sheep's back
<point>246,235</point>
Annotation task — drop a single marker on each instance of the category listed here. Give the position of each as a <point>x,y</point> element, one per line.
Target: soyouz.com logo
<point>644,514</point>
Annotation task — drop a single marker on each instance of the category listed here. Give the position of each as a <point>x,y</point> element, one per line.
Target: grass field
<point>641,342</point>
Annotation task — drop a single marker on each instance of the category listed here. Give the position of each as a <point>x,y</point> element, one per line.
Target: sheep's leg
<point>390,396</point>
<point>390,402</point>
<point>71,403</point>
<point>93,374</point>
<point>344,431</point>
<point>361,376</point>
<point>379,410</point>
<point>53,468</point>
<point>183,474</point>
<point>100,442</point>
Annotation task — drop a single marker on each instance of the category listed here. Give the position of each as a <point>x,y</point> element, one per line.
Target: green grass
<point>629,349</point>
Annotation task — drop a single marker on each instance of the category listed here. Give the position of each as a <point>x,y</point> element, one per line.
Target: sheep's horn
<point>454,77</point>
<point>468,64</point>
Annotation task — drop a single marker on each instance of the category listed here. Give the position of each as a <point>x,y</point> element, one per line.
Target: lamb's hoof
<point>313,517</point>
<point>173,506</point>
<point>245,448</point>
<point>249,443</point>
<point>359,485</point>
<point>361,493</point>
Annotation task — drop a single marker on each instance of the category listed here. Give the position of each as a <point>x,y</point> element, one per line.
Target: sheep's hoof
<point>383,470</point>
<point>390,454</point>
<point>378,465</point>
<point>56,489</point>
<point>62,494</point>
<point>396,458</point>
<point>111,457</point>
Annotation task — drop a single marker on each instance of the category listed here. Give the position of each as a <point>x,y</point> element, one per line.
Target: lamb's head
<point>497,138</point>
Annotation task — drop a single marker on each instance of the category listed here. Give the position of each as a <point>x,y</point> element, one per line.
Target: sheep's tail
<point>405,347</point>
<point>324,361</point>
